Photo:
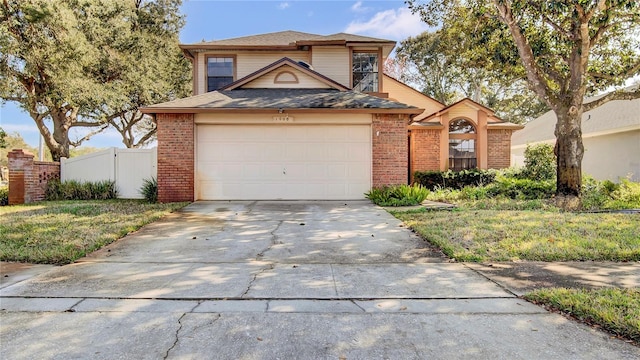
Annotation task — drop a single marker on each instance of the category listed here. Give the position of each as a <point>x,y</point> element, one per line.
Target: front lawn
<point>615,310</point>
<point>493,235</point>
<point>472,234</point>
<point>60,232</point>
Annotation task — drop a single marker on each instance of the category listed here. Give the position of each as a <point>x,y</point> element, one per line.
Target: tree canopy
<point>89,64</point>
<point>565,50</point>
<point>3,138</point>
<point>444,68</point>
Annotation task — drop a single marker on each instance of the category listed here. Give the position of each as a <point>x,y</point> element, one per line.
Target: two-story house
<point>291,115</point>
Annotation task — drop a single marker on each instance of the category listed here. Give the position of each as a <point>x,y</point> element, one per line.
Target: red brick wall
<point>425,150</point>
<point>27,178</point>
<point>176,155</point>
<point>499,149</point>
<point>389,149</point>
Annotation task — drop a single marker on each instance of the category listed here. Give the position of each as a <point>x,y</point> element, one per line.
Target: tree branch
<point>88,136</point>
<point>616,95</point>
<point>87,124</point>
<point>557,27</point>
<point>534,72</point>
<point>627,74</point>
<point>143,140</point>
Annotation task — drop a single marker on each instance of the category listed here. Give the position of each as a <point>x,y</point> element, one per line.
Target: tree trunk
<point>569,151</point>
<point>58,143</point>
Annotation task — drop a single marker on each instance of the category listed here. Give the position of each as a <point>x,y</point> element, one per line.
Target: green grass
<point>60,232</point>
<point>492,235</point>
<point>615,310</point>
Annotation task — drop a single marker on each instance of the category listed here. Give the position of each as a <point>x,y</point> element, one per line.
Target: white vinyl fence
<point>127,167</point>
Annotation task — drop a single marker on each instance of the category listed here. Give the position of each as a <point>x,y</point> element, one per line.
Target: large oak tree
<point>89,64</point>
<point>564,49</point>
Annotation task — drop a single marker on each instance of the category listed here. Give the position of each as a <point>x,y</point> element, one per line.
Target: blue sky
<point>215,20</point>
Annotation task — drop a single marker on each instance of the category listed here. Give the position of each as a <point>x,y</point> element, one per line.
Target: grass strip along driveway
<point>60,232</point>
<point>492,236</point>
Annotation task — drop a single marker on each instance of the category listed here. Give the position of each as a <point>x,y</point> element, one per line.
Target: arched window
<point>462,145</point>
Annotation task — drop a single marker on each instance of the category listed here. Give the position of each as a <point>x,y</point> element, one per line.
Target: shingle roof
<point>286,38</point>
<point>281,62</point>
<point>612,116</point>
<point>251,99</point>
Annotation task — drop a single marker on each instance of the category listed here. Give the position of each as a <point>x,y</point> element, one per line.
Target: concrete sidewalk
<point>267,280</point>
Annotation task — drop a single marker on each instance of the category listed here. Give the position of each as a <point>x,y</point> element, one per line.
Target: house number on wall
<point>283,118</point>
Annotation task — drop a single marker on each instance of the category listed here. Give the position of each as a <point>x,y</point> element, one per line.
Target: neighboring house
<point>291,115</point>
<point>611,137</point>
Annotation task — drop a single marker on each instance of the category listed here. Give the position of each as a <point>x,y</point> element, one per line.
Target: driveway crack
<point>255,276</point>
<point>274,240</point>
<point>333,277</point>
<point>177,335</point>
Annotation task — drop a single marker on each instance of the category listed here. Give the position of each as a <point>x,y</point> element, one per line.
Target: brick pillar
<point>425,149</point>
<point>176,157</point>
<point>20,166</point>
<point>389,149</point>
<point>27,178</point>
<point>499,149</point>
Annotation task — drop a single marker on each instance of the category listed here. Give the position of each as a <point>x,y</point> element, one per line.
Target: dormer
<point>354,61</point>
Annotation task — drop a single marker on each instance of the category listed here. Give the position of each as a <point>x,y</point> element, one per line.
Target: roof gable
<point>464,103</point>
<point>285,63</point>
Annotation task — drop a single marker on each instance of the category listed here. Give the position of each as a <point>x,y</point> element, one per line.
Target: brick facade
<point>425,150</point>
<point>27,178</point>
<point>176,157</point>
<point>389,149</point>
<point>499,148</point>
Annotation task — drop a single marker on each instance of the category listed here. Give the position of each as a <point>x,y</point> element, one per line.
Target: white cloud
<point>283,5</point>
<point>357,7</point>
<point>392,24</point>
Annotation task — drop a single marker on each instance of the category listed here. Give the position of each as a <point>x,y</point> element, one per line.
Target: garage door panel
<point>283,162</point>
<point>356,136</point>
<point>295,152</point>
<point>358,153</point>
<point>357,171</point>
<point>339,152</point>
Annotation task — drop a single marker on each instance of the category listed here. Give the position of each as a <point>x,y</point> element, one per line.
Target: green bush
<point>149,190</point>
<point>521,189</point>
<point>75,190</point>
<point>4,196</point>
<point>539,163</point>
<point>398,195</point>
<point>607,195</point>
<point>454,179</point>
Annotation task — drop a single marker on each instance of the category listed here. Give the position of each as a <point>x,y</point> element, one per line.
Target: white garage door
<point>290,162</point>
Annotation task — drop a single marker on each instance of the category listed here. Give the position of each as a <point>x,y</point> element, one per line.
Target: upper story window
<point>219,72</point>
<point>462,145</point>
<point>365,71</point>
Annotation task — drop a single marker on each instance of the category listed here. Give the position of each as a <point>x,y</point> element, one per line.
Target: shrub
<point>521,189</point>
<point>149,190</point>
<point>75,190</point>
<point>398,195</point>
<point>4,196</point>
<point>539,162</point>
<point>607,195</point>
<point>454,179</point>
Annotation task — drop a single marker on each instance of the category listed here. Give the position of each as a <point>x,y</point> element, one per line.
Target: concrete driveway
<point>280,280</point>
